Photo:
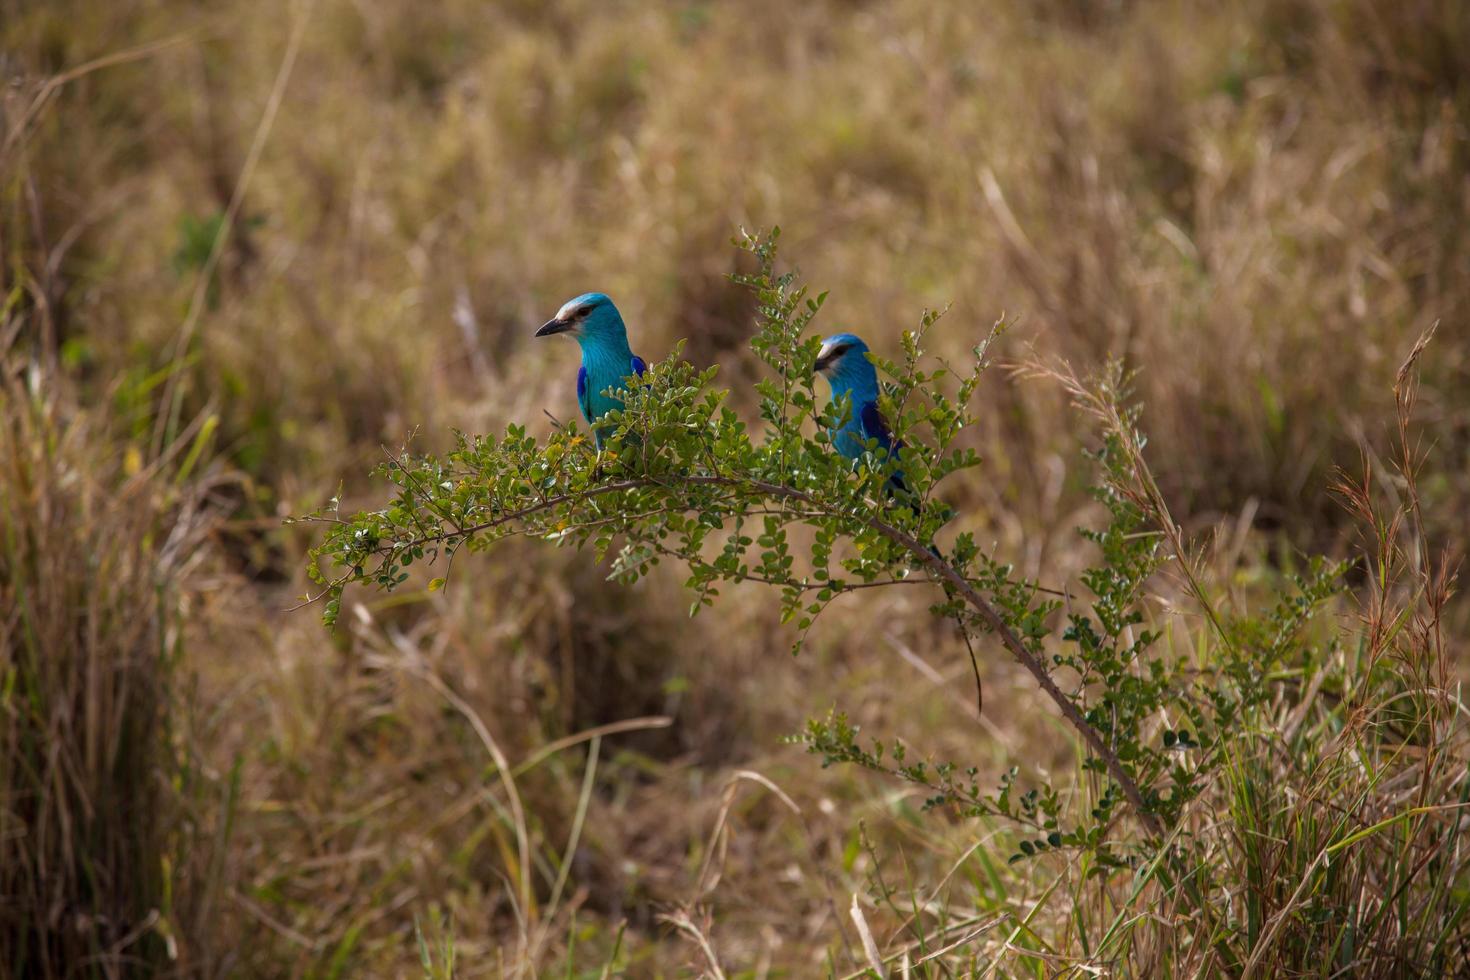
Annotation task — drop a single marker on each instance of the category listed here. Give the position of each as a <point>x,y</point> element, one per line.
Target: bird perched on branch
<point>607,360</point>
<point>843,361</point>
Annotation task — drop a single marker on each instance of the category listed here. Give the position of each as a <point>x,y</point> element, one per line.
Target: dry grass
<point>100,838</point>
<point>1261,205</point>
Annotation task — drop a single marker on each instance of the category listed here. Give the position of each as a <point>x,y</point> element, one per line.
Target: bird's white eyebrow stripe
<point>566,309</point>
<point>827,348</point>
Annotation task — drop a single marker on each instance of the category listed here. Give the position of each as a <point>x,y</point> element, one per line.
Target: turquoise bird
<point>843,361</point>
<point>607,360</point>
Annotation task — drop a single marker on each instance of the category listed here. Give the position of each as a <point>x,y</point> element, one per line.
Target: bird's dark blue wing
<point>874,427</point>
<point>638,366</point>
<point>584,397</point>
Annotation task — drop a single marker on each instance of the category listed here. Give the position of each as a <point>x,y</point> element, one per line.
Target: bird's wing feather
<point>584,397</point>
<point>638,366</point>
<point>874,426</point>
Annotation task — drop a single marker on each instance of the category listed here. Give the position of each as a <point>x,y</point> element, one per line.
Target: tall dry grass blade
<point>95,859</point>
<point>681,921</point>
<point>865,934</point>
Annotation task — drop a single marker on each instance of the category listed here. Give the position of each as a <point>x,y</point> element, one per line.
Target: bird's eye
<point>582,313</point>
<point>842,350</point>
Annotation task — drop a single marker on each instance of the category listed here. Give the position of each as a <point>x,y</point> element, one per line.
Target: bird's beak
<point>554,326</point>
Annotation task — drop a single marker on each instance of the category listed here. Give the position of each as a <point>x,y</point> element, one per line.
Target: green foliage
<point>682,478</point>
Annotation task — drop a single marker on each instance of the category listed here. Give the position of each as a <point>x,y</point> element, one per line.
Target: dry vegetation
<point>245,246</point>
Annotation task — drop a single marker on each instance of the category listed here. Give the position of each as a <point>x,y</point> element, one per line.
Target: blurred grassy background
<point>1260,205</point>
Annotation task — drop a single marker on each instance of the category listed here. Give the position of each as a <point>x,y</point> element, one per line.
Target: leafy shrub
<point>1174,730</point>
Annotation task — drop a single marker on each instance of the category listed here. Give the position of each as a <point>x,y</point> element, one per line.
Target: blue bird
<point>607,360</point>
<point>843,361</point>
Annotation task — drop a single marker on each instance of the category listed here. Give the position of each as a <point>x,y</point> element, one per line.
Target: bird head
<point>591,318</point>
<point>844,357</point>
